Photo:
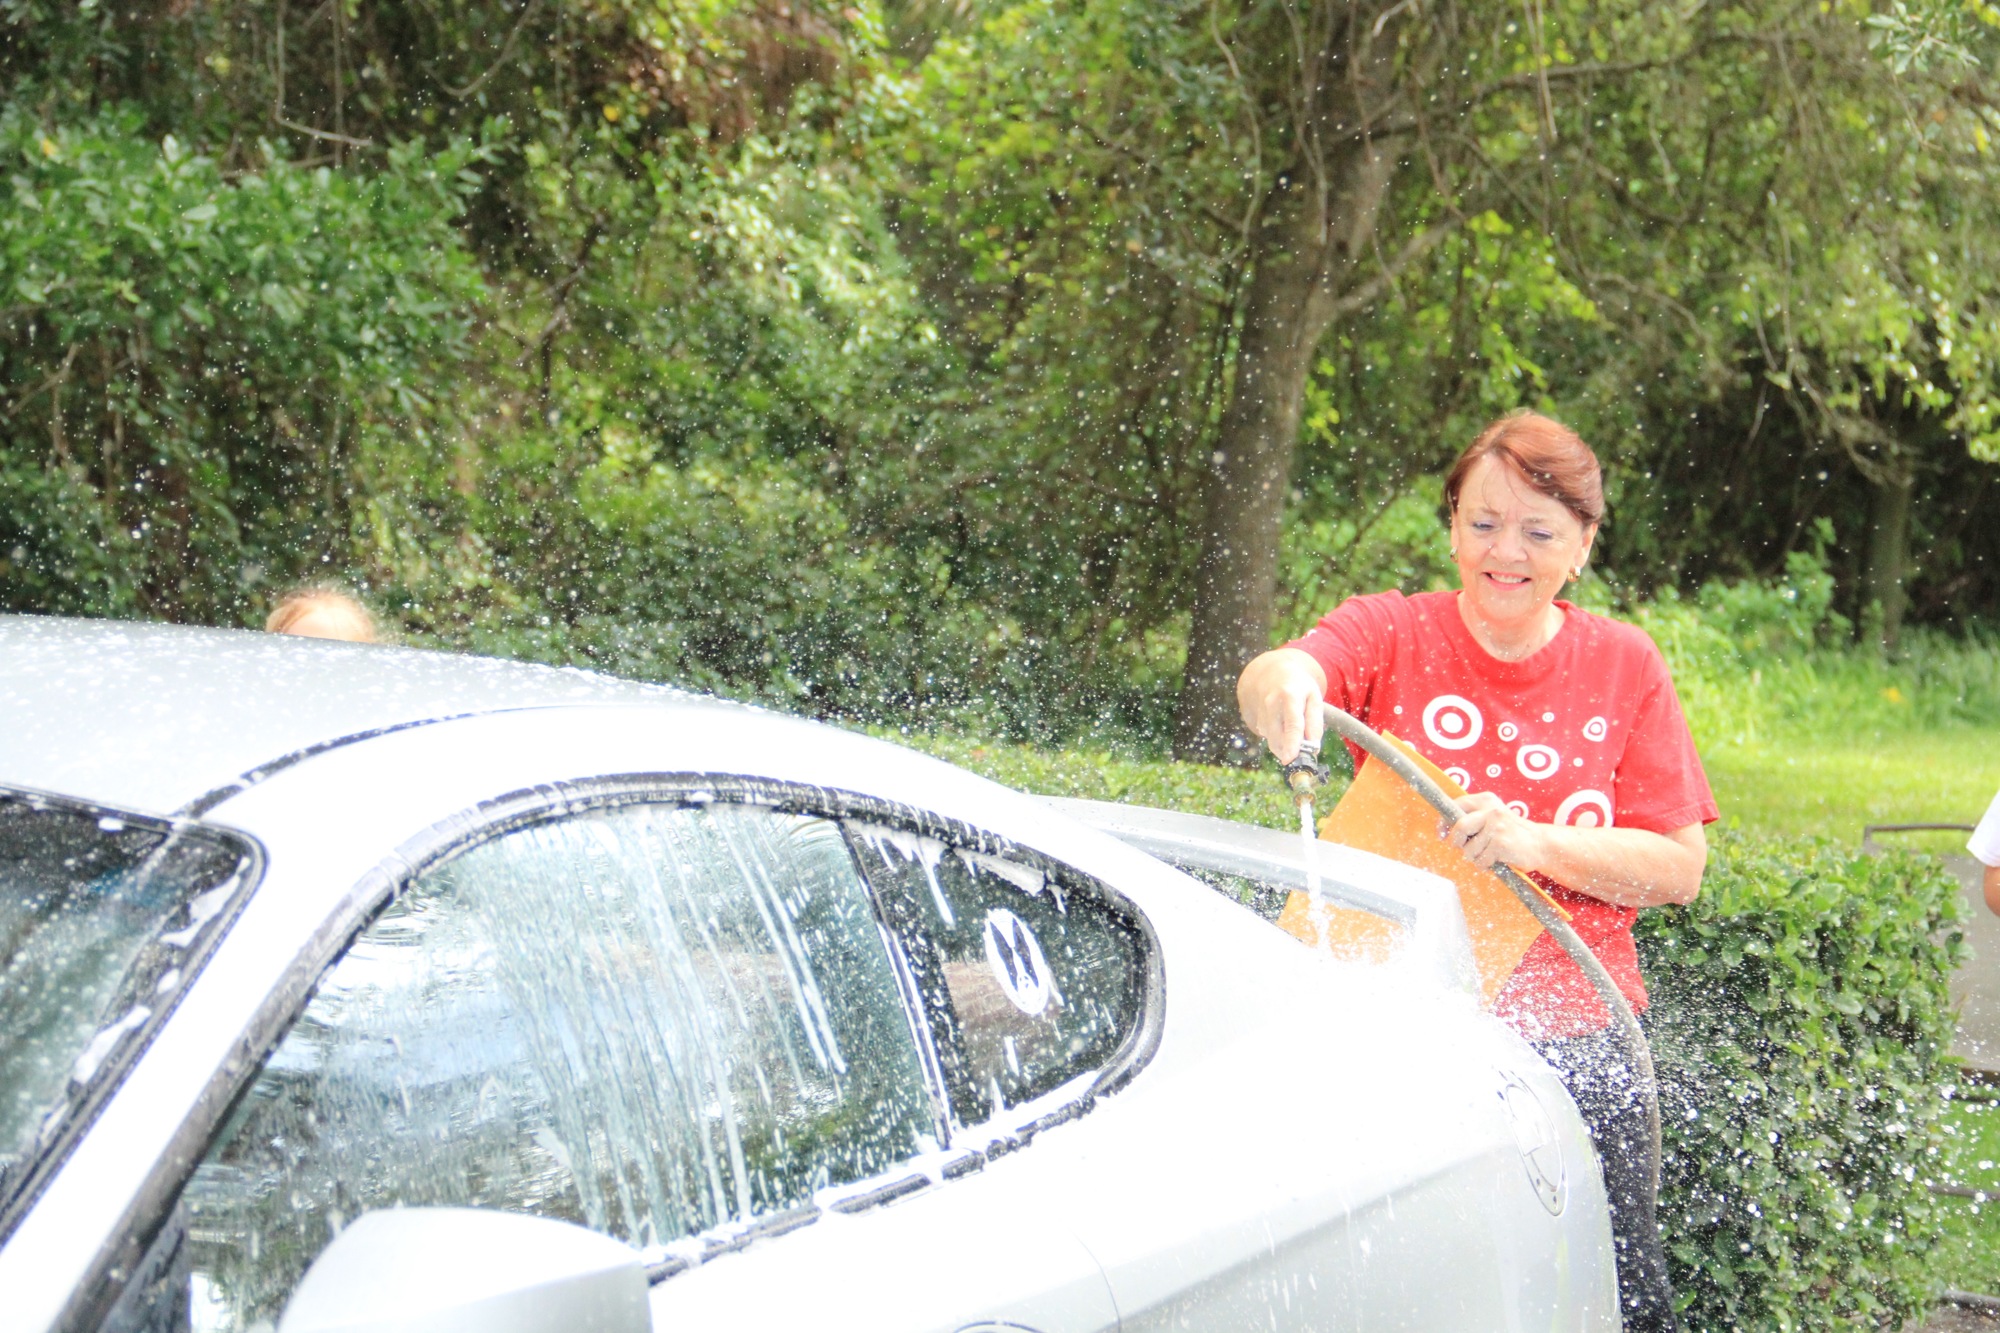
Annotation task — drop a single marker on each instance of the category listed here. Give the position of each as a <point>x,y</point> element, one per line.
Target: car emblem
<point>1015,956</point>
<point>1535,1136</point>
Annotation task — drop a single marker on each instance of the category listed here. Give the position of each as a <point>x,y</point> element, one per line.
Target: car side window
<point>1028,981</point>
<point>649,1019</point>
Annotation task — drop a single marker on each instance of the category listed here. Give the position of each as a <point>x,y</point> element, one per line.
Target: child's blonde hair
<point>322,611</point>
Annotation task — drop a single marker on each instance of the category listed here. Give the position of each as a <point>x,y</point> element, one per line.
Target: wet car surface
<point>394,982</point>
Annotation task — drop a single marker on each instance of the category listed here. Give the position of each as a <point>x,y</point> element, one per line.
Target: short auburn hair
<point>1550,457</point>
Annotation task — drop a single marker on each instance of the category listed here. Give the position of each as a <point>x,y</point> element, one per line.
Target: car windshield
<point>102,915</point>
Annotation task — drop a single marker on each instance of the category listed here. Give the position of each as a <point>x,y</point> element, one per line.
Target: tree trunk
<point>1303,255</point>
<point>1888,559</point>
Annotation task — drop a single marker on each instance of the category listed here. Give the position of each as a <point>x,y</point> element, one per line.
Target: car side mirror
<point>461,1270</point>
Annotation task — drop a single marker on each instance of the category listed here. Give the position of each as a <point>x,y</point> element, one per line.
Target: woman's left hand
<point>1490,832</point>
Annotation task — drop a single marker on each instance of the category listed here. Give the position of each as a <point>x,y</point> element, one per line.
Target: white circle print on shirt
<point>1015,957</point>
<point>1595,729</point>
<point>1537,762</point>
<point>1585,809</point>
<point>1453,722</point>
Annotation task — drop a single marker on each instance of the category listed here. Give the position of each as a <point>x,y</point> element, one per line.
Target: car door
<point>673,1018</point>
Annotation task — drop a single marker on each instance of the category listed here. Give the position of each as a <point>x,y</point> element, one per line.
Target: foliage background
<point>850,358</point>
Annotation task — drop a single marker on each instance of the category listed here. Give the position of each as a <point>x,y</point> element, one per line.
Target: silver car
<point>360,988</point>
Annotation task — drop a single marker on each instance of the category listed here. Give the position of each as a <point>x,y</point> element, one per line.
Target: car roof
<point>153,717</point>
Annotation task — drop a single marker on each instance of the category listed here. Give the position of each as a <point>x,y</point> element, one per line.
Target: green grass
<point>1970,1255</point>
<point>1835,784</point>
<point>1830,785</point>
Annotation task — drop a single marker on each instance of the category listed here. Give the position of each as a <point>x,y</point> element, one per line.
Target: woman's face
<point>1515,547</point>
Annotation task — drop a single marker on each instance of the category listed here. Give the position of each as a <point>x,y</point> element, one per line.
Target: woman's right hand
<point>1279,694</point>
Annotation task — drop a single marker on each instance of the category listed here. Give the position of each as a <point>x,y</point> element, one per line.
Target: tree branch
<point>506,49</point>
<point>328,135</point>
<point>1256,126</point>
<point>1537,78</point>
<point>1414,249</point>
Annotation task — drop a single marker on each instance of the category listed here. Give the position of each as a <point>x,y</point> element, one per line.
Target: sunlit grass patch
<point>1829,740</point>
<point>1833,785</point>
<point>1836,783</point>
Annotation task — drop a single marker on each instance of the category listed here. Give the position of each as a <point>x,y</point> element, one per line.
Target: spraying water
<point>1303,777</point>
<point>1309,837</point>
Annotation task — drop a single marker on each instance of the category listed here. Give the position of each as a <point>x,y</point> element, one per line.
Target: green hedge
<point>1800,1023</point>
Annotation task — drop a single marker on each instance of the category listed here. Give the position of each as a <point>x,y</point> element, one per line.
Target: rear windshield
<point>102,917</point>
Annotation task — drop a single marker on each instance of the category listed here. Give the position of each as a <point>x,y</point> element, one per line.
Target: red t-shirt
<point>1587,731</point>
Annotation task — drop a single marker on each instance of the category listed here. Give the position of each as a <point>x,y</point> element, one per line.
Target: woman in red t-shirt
<point>1564,728</point>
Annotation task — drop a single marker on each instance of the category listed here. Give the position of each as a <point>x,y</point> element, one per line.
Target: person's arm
<point>1984,844</point>
<point>1624,866</point>
<point>1279,694</point>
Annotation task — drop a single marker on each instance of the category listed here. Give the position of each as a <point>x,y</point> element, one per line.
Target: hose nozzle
<point>1304,775</point>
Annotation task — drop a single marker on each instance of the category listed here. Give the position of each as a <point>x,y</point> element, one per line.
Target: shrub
<point>1800,1023</point>
<point>738,575</point>
<point>206,377</point>
<point>1333,549</point>
<point>1769,618</point>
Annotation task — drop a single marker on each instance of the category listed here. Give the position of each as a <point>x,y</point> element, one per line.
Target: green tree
<point>1809,220</point>
<point>1611,211</point>
<point>1031,361</point>
<point>1271,169</point>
